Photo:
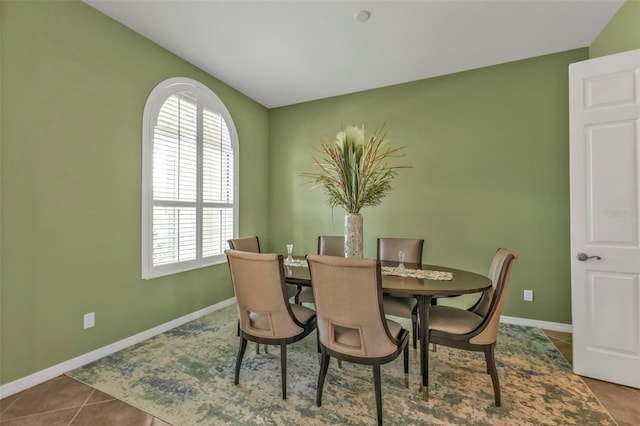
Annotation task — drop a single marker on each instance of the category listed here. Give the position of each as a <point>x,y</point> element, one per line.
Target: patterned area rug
<point>185,377</point>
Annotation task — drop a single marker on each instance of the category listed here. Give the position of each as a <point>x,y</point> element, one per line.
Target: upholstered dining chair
<point>265,314</point>
<point>351,322</point>
<point>250,244</point>
<point>402,305</point>
<point>328,246</point>
<point>476,329</point>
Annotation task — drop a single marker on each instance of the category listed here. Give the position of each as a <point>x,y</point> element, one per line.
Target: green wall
<point>489,152</point>
<point>622,33</point>
<point>74,84</point>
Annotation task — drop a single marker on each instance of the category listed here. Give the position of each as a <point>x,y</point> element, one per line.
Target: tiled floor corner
<point>63,401</point>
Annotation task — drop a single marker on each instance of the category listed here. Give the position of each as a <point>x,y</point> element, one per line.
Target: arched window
<point>189,178</point>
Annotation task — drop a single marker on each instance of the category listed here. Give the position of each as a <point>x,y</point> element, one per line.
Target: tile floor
<point>65,402</point>
<point>622,402</point>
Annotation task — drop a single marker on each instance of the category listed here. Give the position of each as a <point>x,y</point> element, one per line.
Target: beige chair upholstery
<point>476,331</point>
<point>351,323</point>
<point>264,311</point>
<point>328,246</point>
<point>402,305</point>
<point>481,307</point>
<point>250,244</point>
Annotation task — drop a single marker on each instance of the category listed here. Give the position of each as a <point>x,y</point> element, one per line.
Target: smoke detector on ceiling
<point>362,16</point>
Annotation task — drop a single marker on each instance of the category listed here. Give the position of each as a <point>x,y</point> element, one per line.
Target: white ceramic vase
<point>353,235</point>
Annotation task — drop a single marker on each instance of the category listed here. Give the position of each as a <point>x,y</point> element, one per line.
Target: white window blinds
<point>190,210</point>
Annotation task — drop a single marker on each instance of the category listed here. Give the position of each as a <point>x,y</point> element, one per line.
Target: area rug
<point>185,377</point>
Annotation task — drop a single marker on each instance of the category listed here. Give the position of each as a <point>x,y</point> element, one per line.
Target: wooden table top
<point>463,282</point>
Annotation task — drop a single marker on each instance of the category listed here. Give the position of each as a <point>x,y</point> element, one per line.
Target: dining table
<point>440,281</point>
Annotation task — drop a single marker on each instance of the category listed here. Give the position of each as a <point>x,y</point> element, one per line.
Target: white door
<point>604,101</point>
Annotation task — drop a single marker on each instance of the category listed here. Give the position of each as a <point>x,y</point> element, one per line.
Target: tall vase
<point>353,235</point>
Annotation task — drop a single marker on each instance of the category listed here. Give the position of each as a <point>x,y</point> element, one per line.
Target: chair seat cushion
<point>453,320</point>
<point>306,295</point>
<point>292,290</point>
<point>399,306</point>
<point>302,313</point>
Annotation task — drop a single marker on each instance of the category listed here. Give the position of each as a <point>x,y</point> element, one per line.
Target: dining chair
<point>476,330</point>
<point>402,305</point>
<point>351,323</point>
<point>250,244</point>
<point>328,246</point>
<point>264,311</point>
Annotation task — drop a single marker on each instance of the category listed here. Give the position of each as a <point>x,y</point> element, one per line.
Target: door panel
<point>605,196</point>
<point>612,89</point>
<point>610,216</point>
<point>613,296</point>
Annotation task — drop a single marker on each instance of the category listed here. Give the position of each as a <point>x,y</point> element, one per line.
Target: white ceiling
<point>286,52</point>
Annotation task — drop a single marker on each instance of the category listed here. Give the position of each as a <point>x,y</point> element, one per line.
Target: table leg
<point>424,303</point>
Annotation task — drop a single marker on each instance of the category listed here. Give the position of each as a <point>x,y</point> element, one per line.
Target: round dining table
<point>423,289</point>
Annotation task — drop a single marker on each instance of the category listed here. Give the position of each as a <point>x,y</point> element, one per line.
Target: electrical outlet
<point>89,320</point>
<point>528,295</point>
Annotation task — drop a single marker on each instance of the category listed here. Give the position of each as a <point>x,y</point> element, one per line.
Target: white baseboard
<point>546,325</point>
<point>56,370</point>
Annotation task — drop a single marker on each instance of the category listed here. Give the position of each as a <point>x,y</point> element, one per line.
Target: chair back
<point>331,246</point>
<point>388,249</point>
<point>258,282</point>
<point>348,298</point>
<point>490,306</point>
<point>481,307</point>
<point>250,244</point>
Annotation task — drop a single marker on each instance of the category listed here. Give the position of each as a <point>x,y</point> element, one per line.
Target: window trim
<point>156,99</point>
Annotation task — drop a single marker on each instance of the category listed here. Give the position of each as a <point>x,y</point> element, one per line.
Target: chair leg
<point>243,346</point>
<point>283,367</point>
<point>414,330</point>
<point>416,337</point>
<point>414,327</point>
<point>378,391</point>
<point>324,365</point>
<point>406,366</point>
<point>489,356</point>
